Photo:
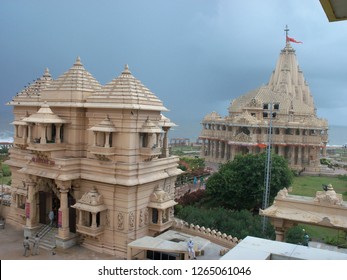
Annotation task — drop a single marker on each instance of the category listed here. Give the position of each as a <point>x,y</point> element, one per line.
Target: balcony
<point>90,231</point>
<point>160,227</point>
<point>150,153</point>
<point>47,147</point>
<point>98,150</point>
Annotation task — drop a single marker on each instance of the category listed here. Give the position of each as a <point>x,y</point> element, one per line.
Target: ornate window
<point>150,140</point>
<point>44,126</point>
<point>160,210</point>
<point>91,214</point>
<point>103,133</point>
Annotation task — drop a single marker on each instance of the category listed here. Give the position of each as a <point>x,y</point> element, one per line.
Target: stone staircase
<point>47,237</point>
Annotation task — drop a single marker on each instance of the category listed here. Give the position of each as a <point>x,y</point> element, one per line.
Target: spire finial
<point>126,69</point>
<point>286,30</point>
<point>47,74</point>
<point>78,61</point>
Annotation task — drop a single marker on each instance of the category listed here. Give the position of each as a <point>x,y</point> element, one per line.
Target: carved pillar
<point>292,154</point>
<point>29,133</point>
<point>233,148</point>
<point>94,138</point>
<point>208,147</point>
<point>16,130</point>
<point>305,155</point>
<point>217,149</point>
<point>94,220</point>
<point>43,133</point>
<point>30,207</point>
<point>63,214</point>
<point>228,151</point>
<point>80,220</point>
<point>107,140</point>
<point>76,195</point>
<point>160,217</point>
<point>57,133</point>
<point>300,156</point>
<point>222,149</point>
<point>279,234</point>
<point>165,152</point>
<point>25,132</point>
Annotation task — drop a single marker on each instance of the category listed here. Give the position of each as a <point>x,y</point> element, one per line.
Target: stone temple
<point>96,155</point>
<point>281,113</point>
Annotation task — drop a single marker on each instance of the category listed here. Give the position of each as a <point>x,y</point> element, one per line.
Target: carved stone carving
<point>146,216</point>
<point>120,221</point>
<point>282,193</point>
<point>254,103</point>
<point>242,137</point>
<point>328,197</point>
<point>142,217</point>
<point>131,220</point>
<point>159,195</point>
<point>92,197</point>
<point>108,222</point>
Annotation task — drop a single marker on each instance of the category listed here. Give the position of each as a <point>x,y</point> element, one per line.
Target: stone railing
<point>214,236</point>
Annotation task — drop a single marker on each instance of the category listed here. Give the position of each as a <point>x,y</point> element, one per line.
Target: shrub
<point>325,161</point>
<point>295,235</point>
<point>6,172</point>
<point>191,198</point>
<point>235,223</point>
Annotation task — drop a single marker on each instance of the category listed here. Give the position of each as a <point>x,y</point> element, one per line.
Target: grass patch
<point>309,185</point>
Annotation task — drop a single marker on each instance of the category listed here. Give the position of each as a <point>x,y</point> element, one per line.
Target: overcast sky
<point>195,55</point>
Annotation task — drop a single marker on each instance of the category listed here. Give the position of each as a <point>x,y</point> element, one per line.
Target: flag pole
<point>286,30</point>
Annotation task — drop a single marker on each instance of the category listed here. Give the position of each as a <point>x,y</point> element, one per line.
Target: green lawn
<point>309,185</point>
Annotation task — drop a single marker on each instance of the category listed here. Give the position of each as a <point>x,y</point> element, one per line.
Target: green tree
<point>239,184</point>
<point>235,223</point>
<point>4,150</point>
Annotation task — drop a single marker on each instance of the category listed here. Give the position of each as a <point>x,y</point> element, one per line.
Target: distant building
<point>286,105</point>
<point>177,142</point>
<point>96,155</point>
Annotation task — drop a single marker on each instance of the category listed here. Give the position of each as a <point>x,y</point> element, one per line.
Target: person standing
<point>26,245</point>
<point>191,249</point>
<point>51,217</point>
<point>36,245</point>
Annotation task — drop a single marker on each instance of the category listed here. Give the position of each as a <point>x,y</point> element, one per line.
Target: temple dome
<point>35,88</point>
<point>74,85</point>
<point>126,92</point>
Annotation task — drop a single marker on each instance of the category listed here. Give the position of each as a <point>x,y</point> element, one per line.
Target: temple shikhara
<point>281,113</point>
<point>96,155</point>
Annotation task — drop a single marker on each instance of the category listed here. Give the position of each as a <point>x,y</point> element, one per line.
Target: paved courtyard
<point>11,248</point>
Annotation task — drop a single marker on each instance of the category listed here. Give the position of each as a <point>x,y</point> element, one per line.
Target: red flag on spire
<point>289,39</point>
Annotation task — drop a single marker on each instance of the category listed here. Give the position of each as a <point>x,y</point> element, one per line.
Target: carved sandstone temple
<point>285,102</point>
<point>96,155</point>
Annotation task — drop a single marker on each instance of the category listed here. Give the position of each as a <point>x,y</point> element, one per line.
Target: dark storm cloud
<point>195,55</point>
